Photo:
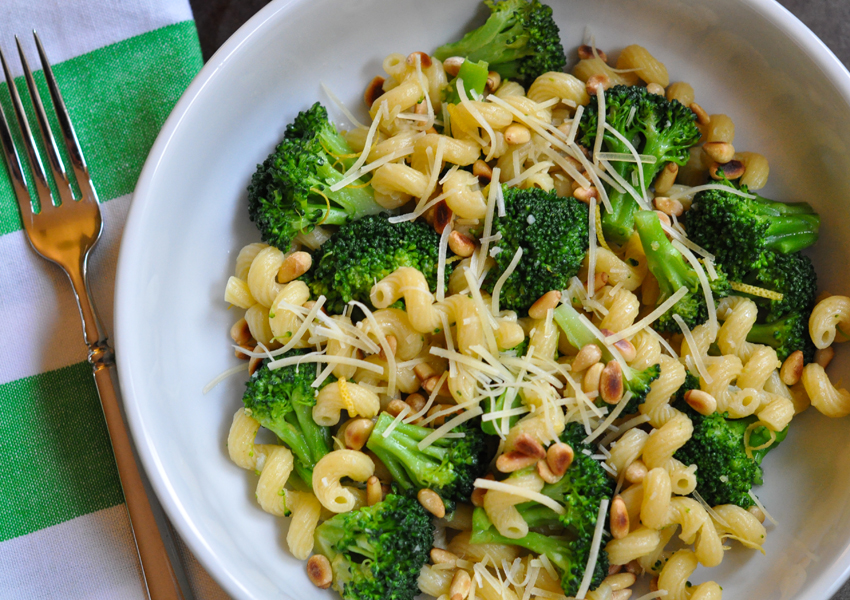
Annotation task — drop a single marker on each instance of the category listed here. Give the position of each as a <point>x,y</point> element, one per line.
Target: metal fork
<point>64,234</point>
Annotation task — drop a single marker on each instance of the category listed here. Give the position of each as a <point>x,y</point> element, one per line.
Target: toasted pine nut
<point>664,218</point>
<point>732,170</point>
<point>392,342</point>
<point>757,513</point>
<point>721,152</point>
<point>482,170</point>
<point>619,518</point>
<point>611,383</point>
<point>627,350</point>
<point>461,584</point>
<point>395,407</point>
<point>792,368</point>
<point>600,280</point>
<point>614,569</point>
<point>527,445</point>
<point>477,497</point>
<point>424,59</point>
<point>421,108</point>
<point>702,116</point>
<point>294,265</point>
<point>596,82</point>
<point>373,91</point>
<point>452,65</point>
<point>249,347</point>
<point>240,333</point>
<point>559,457</point>
<point>517,134</point>
<point>461,244</point>
<point>654,88</point>
<point>666,178</point>
<point>424,371</point>
<point>636,472</point>
<point>355,433</point>
<point>435,409</point>
<point>547,301</point>
<point>319,571</point>
<point>431,130</point>
<point>702,402</point>
<point>443,215</point>
<point>432,502</point>
<point>514,461</point>
<point>431,383</point>
<point>621,595</point>
<point>584,194</point>
<point>824,357</point>
<point>255,362</point>
<point>668,206</point>
<point>494,80</point>
<point>374,494</point>
<point>588,356</point>
<point>546,473</point>
<point>416,402</point>
<point>590,382</point>
<point>443,557</point>
<point>586,52</point>
<point>633,567</point>
<point>653,584</point>
<point>620,581</point>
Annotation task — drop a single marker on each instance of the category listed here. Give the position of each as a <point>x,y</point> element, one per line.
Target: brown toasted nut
<point>792,368</point>
<point>434,410</point>
<point>668,206</point>
<point>625,347</point>
<point>596,82</point>
<point>452,65</point>
<point>824,357</point>
<point>392,342</point>
<point>588,356</point>
<point>654,88</point>
<point>527,445</point>
<point>294,266</point>
<point>584,194</point>
<point>731,170</point>
<point>636,472</point>
<point>395,407</point>
<point>432,502</point>
<point>443,215</point>
<point>319,571</point>
<point>240,333</point>
<point>666,178</point>
<point>514,461</point>
<point>633,567</point>
<point>431,383</point>
<point>424,371</point>
<point>461,584</point>
<point>559,457</point>
<point>586,52</point>
<point>255,361</point>
<point>622,595</point>
<point>482,171</point>
<point>421,108</point>
<point>373,91</point>
<point>702,402</point>
<point>590,382</point>
<point>494,80</point>
<point>719,152</point>
<point>600,280</point>
<point>757,513</point>
<point>416,402</point>
<point>702,116</point>
<point>443,557</point>
<point>242,355</point>
<point>614,569</point>
<point>546,473</point>
<point>619,518</point>
<point>311,303</point>
<point>355,433</point>
<point>517,134</point>
<point>544,303</point>
<point>620,581</point>
<point>653,584</point>
<point>664,218</point>
<point>374,494</point>
<point>424,59</point>
<point>611,383</point>
<point>477,497</point>
<point>461,244</point>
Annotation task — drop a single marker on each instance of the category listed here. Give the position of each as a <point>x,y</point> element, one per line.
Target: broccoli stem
<point>619,224</point>
<point>356,202</point>
<point>665,262</point>
<point>317,438</point>
<point>577,332</point>
<point>793,226</point>
<point>493,405</point>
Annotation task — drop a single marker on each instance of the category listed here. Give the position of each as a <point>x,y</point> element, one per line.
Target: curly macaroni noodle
<point>825,397</point>
<point>830,319</point>
<point>410,284</point>
<point>343,395</point>
<point>334,466</point>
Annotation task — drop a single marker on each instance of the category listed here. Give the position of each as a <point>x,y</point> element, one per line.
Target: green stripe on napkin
<point>55,459</point>
<point>118,98</point>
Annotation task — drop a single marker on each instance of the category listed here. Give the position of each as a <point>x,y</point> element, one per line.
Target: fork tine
<point>78,161</point>
<point>19,182</point>
<point>59,175</point>
<point>41,186</point>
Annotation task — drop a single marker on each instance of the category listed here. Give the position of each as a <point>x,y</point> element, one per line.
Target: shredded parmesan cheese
<point>767,515</point>
<point>591,252</point>
<point>699,363</point>
<point>497,289</point>
<point>353,174</point>
<point>513,490</point>
<point>223,376</point>
<point>441,262</point>
<point>448,426</point>
<point>401,415</point>
<point>691,191</point>
<point>621,405</point>
<point>650,318</point>
<point>348,114</point>
<point>600,123</point>
<point>594,550</point>
<point>703,281</point>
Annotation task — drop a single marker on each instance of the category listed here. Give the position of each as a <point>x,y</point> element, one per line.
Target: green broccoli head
<point>290,192</point>
<point>282,401</point>
<point>793,276</point>
<point>638,384</point>
<point>655,127</point>
<point>449,466</point>
<point>552,232</point>
<point>520,41</point>
<point>365,251</point>
<point>786,335</point>
<point>740,230</point>
<point>673,272</point>
<point>376,552</point>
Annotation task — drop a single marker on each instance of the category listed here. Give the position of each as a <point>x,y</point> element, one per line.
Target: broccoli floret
<point>552,232</point>
<point>725,474</point>
<point>282,401</point>
<point>739,230</point>
<point>376,552</point>
<point>580,491</point>
<point>290,192</point>
<point>786,335</point>
<point>448,466</point>
<point>673,272</point>
<point>579,335</point>
<point>520,41</point>
<point>367,250</point>
<point>657,127</point>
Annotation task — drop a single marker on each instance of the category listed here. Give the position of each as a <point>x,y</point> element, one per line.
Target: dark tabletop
<point>829,19</point>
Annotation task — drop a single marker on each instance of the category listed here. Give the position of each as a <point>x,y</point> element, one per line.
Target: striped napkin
<point>64,533</point>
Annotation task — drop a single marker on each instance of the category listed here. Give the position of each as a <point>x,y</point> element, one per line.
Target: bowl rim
<point>179,515</point>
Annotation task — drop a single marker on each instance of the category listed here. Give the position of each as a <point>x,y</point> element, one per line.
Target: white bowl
<point>751,59</point>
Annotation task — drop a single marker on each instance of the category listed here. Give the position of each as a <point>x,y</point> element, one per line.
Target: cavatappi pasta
<point>436,358</point>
